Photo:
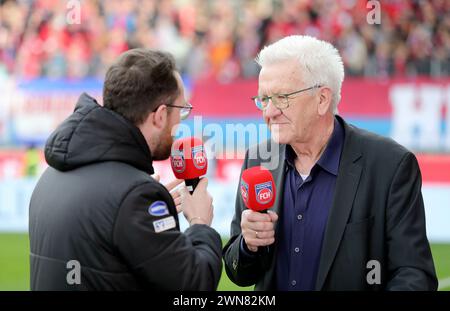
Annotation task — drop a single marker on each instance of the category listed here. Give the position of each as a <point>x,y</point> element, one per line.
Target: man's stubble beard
<point>164,146</point>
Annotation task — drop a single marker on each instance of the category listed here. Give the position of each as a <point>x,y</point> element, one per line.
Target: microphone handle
<point>191,184</point>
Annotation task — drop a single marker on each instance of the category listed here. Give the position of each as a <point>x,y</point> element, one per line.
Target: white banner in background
<point>15,197</point>
<point>417,116</point>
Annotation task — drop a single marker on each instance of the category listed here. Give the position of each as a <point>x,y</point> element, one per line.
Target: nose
<point>271,111</point>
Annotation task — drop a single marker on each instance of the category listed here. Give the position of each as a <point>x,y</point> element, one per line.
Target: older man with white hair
<point>349,212</point>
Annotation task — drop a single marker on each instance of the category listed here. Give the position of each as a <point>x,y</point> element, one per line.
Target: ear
<point>158,118</point>
<point>325,96</point>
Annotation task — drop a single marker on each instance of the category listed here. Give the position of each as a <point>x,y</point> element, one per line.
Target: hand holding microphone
<point>197,208</point>
<point>170,186</point>
<point>258,193</point>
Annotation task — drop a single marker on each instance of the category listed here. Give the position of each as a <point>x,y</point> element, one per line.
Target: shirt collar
<point>331,156</point>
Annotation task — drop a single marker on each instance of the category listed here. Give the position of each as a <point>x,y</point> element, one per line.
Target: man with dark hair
<point>98,220</point>
<point>136,83</point>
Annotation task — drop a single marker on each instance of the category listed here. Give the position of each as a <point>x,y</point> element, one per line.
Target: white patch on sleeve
<point>164,224</point>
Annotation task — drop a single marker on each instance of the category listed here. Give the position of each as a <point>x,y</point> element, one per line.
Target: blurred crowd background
<point>220,38</point>
<point>397,85</point>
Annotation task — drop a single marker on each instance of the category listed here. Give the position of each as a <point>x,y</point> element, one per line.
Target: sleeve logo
<point>158,208</point>
<point>164,224</point>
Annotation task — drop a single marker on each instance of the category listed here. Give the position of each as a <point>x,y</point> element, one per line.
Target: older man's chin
<point>278,137</point>
<point>277,134</point>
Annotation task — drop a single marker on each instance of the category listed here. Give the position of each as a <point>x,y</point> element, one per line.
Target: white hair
<point>319,59</point>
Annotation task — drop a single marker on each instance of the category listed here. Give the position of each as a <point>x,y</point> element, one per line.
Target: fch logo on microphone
<point>199,157</point>
<point>244,191</point>
<point>178,163</point>
<point>264,192</point>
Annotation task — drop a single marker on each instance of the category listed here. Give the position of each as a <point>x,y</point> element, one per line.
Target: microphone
<point>188,161</point>
<point>258,193</point>
<point>258,189</point>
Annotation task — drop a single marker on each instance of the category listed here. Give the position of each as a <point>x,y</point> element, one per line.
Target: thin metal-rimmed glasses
<point>185,111</point>
<point>280,101</point>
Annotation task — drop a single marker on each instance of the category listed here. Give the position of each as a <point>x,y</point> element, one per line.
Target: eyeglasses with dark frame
<point>185,111</point>
<point>280,101</point>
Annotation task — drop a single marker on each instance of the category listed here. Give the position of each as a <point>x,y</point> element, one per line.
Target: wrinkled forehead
<point>279,77</point>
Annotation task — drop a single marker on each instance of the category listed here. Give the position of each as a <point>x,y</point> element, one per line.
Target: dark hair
<point>138,81</point>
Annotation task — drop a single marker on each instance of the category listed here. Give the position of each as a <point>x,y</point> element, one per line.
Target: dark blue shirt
<point>304,214</point>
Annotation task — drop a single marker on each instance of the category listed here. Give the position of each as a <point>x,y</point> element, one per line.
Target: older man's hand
<point>258,229</point>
